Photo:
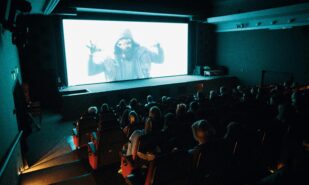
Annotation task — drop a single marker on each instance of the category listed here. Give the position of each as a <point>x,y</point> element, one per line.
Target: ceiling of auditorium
<point>197,7</point>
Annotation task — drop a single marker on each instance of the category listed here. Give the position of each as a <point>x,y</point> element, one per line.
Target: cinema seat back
<point>107,116</point>
<point>88,124</point>
<point>170,169</point>
<point>110,143</point>
<point>84,126</point>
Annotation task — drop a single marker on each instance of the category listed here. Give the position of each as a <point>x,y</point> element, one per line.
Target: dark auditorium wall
<point>247,53</point>
<point>227,7</point>
<point>9,62</point>
<point>40,57</point>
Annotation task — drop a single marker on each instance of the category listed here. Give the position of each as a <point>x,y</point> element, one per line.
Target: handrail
<point>6,161</point>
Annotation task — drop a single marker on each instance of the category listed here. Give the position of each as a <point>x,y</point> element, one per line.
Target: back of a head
<point>200,96</point>
<point>222,90</point>
<point>149,99</point>
<point>233,131</point>
<point>276,99</point>
<point>203,131</point>
<point>239,88</point>
<point>92,110</point>
<point>122,103</point>
<point>155,113</point>
<point>194,106</point>
<point>181,110</point>
<point>212,94</point>
<point>169,100</point>
<point>88,118</point>
<point>163,99</point>
<point>134,114</point>
<point>133,103</point>
<point>295,98</point>
<point>285,112</point>
<point>253,91</point>
<point>244,97</point>
<point>169,120</point>
<point>104,108</point>
<point>152,127</point>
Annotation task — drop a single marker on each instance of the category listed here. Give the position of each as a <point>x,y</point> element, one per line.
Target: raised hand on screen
<point>158,47</point>
<point>93,48</point>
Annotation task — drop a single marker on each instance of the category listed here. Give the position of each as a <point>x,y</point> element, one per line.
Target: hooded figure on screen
<point>130,60</point>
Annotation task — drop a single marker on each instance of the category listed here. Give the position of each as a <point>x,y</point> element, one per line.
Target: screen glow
<point>102,51</point>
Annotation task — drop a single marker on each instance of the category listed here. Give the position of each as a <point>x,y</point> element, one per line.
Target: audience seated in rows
<point>252,134</point>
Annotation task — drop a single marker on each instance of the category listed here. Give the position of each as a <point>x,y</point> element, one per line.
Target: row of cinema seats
<point>105,140</point>
<point>172,168</point>
<point>251,131</point>
<point>103,137</point>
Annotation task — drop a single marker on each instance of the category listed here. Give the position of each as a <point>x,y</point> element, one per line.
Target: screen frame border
<point>127,18</point>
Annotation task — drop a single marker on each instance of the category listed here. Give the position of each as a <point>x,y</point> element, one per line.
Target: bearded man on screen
<point>130,60</point>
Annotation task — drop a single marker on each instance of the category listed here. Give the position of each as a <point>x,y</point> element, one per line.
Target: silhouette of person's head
<point>200,96</point>
<point>212,95</point>
<point>104,108</point>
<point>133,117</point>
<point>149,99</point>
<point>193,106</point>
<point>222,91</point>
<point>133,103</point>
<point>92,110</point>
<point>203,131</point>
<point>169,121</point>
<point>233,131</point>
<point>155,113</point>
<point>181,110</point>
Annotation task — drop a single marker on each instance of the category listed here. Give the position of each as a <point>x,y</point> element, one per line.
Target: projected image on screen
<point>104,51</point>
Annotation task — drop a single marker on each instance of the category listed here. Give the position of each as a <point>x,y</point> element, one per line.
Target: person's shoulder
<point>196,150</point>
<point>137,133</point>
